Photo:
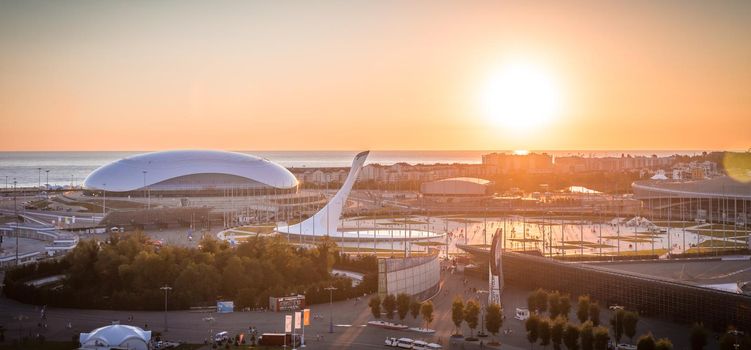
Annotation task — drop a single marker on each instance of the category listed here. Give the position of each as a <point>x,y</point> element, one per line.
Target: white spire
<point>325,221</point>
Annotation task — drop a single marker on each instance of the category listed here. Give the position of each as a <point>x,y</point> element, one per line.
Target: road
<point>350,318</point>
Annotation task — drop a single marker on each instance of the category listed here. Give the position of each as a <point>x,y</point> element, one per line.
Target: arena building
<point>456,187</point>
<point>191,173</point>
<point>716,200</point>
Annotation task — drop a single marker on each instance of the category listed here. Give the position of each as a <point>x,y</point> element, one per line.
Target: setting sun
<point>521,96</point>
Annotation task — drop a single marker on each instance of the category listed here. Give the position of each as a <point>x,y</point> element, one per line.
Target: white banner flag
<point>288,323</point>
<point>298,318</point>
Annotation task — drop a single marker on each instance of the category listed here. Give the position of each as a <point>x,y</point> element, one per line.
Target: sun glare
<point>521,96</point>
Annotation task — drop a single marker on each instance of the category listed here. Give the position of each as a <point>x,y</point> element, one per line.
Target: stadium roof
<point>465,179</point>
<point>143,170</point>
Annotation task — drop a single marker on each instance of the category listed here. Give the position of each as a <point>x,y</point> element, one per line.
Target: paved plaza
<point>350,319</point>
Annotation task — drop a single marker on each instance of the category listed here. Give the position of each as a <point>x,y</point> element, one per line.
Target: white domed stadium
<point>191,172</point>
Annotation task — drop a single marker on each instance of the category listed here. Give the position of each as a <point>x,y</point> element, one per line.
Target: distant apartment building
<point>578,164</point>
<point>694,170</point>
<point>503,163</point>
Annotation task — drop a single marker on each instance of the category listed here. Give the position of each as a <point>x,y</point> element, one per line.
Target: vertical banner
<point>287,323</point>
<point>298,319</point>
<point>306,317</point>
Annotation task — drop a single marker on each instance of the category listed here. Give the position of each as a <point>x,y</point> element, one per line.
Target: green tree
<point>601,338</point>
<point>532,301</point>
<point>389,305</point>
<point>472,315</point>
<point>646,342</point>
<point>699,336</point>
<point>326,249</point>
<point>544,331</point>
<point>414,308</point>
<point>587,335</point>
<point>571,337</point>
<point>565,305</point>
<point>493,318</point>
<point>731,338</point>
<point>375,306</point>
<point>541,300</point>
<point>616,321</point>
<point>457,313</point>
<point>533,329</point>
<point>594,313</point>
<point>664,344</point>
<point>556,332</point>
<point>402,305</point>
<point>427,313</point>
<point>630,319</point>
<point>582,312</point>
<point>554,302</point>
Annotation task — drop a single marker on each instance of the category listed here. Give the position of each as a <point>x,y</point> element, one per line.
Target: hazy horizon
<point>417,75</point>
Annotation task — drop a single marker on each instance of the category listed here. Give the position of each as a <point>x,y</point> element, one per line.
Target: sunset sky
<point>386,75</point>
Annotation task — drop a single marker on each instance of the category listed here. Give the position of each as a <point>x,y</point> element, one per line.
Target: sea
<point>30,169</point>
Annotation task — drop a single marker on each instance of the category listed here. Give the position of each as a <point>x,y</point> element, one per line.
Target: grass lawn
<point>464,221</point>
<point>659,251</point>
<point>716,243</point>
<point>699,250</point>
<point>567,247</point>
<point>675,224</point>
<point>429,244</point>
<point>630,239</point>
<point>528,240</point>
<point>720,233</point>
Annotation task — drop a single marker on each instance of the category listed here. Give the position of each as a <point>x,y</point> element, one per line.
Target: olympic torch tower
<point>495,270</point>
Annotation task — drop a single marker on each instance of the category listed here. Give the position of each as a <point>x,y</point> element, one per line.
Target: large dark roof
<point>717,187</point>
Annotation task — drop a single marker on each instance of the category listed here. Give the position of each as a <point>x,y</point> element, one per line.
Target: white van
<point>221,337</point>
<point>404,343</point>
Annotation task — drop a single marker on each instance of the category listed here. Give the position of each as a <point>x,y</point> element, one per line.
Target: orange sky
<point>145,75</point>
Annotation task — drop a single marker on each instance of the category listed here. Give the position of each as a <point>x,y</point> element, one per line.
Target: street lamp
<point>331,307</point>
<point>482,333</point>
<point>210,320</point>
<point>166,289</point>
<point>104,200</point>
<point>148,201</point>
<point>48,177</point>
<point>15,211</point>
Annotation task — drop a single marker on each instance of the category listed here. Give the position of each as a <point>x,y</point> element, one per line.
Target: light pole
<point>166,289</point>
<point>104,200</point>
<point>48,177</point>
<point>616,309</point>
<point>210,320</point>
<point>15,211</point>
<point>20,318</point>
<point>331,307</point>
<point>482,333</point>
<point>148,201</point>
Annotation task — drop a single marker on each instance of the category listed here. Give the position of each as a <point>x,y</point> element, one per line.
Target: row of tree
<point>126,272</point>
<point>468,312</point>
<point>557,304</point>
<point>401,304</point>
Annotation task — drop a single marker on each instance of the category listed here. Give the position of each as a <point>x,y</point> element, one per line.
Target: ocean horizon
<point>70,168</point>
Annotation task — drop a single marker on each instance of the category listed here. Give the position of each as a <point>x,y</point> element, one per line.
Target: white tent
<point>116,335</point>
